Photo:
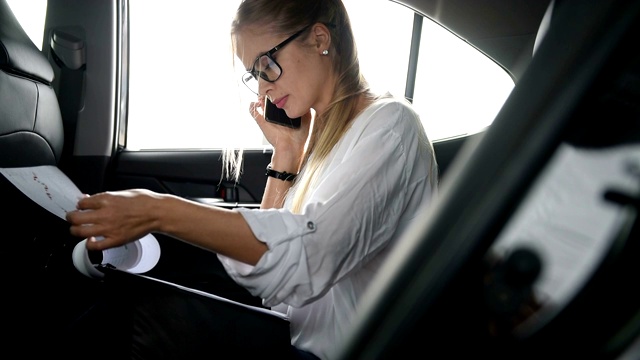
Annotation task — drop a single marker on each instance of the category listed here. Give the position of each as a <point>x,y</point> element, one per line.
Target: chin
<point>293,114</point>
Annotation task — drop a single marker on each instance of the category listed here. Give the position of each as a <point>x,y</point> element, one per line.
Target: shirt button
<point>311,225</point>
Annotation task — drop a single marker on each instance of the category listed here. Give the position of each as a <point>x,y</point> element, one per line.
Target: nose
<point>264,87</point>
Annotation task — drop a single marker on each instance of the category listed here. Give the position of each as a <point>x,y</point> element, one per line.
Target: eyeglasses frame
<point>269,54</point>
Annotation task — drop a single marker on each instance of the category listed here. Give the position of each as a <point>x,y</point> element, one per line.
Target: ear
<point>321,37</point>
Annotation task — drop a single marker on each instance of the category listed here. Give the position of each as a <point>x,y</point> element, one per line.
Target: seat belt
<point>68,53</point>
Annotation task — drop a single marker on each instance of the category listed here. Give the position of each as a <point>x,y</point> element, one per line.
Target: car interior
<point>459,285</point>
<point>528,252</point>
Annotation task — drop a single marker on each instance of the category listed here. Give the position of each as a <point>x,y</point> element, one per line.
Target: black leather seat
<point>42,293</point>
<point>31,130</point>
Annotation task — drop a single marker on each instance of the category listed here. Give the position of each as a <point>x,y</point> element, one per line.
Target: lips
<point>279,103</point>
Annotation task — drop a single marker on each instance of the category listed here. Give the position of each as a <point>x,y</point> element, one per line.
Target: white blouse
<point>320,262</point>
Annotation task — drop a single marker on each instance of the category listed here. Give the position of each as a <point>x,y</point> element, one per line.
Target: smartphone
<point>279,116</point>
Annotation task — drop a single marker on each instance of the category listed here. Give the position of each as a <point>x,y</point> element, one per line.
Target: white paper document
<point>50,188</point>
<point>137,257</point>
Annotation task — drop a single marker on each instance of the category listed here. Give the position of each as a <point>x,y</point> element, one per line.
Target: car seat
<point>31,131</point>
<point>42,292</point>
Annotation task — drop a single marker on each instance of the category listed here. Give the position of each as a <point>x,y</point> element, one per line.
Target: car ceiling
<point>503,29</point>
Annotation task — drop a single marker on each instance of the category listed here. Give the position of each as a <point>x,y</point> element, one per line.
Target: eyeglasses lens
<point>266,69</point>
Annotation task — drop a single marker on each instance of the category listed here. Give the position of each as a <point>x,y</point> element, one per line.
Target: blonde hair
<point>287,17</point>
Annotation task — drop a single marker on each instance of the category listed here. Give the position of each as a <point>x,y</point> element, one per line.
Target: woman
<point>363,167</point>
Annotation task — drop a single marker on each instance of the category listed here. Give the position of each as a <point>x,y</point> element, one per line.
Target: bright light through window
<point>185,93</point>
<point>458,89</point>
<point>31,14</point>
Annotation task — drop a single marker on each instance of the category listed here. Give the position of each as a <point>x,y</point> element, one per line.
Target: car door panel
<point>197,174</point>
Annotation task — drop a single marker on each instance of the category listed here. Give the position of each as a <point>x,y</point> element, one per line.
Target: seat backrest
<point>36,245</point>
<point>31,128</point>
<point>31,131</point>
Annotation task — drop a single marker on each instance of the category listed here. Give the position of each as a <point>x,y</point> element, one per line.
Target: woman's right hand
<point>117,217</point>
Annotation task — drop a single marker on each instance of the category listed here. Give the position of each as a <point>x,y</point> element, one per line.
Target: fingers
<point>256,109</point>
<point>85,222</point>
<point>90,202</point>
<point>84,231</point>
<point>86,213</point>
<point>120,217</point>
<point>80,217</point>
<point>86,225</point>
<point>99,243</point>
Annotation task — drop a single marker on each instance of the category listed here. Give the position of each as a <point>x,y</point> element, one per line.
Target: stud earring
<point>325,52</point>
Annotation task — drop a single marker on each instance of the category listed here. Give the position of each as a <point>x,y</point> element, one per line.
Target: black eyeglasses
<point>265,67</point>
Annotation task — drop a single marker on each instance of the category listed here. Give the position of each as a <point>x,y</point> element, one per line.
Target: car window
<point>31,16</point>
<point>458,89</point>
<point>184,90</point>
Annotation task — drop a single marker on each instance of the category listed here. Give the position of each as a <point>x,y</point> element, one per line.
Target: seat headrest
<point>18,54</point>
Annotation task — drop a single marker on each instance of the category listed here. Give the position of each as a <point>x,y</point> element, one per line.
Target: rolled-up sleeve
<point>351,214</point>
